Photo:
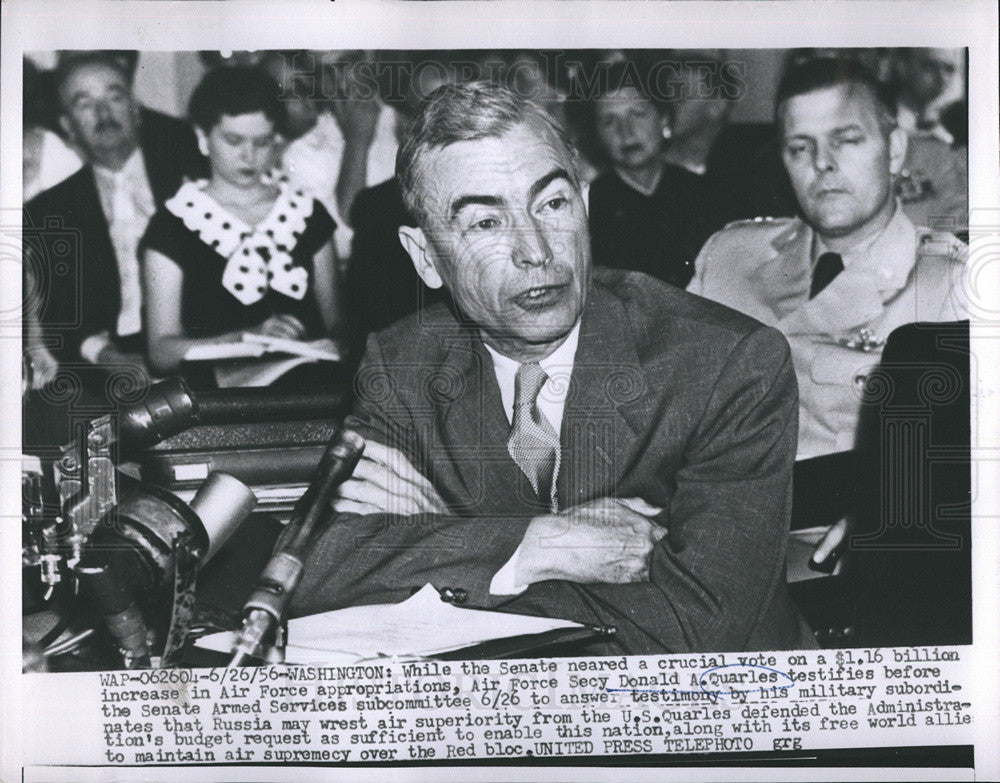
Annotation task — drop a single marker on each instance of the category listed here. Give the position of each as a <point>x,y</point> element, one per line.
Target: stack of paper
<point>422,625</point>
<point>257,368</point>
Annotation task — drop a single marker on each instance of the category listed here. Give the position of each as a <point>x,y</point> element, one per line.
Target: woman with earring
<point>645,214</point>
<point>237,254</point>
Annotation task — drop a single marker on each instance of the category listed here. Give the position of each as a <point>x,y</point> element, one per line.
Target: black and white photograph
<point>609,408</point>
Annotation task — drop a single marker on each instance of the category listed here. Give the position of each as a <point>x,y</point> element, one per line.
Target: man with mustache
<point>563,441</point>
<point>90,311</point>
<point>839,279</point>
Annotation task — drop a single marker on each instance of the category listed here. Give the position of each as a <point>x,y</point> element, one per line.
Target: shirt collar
<point>133,167</point>
<point>560,360</point>
<point>552,396</point>
<point>890,253</point>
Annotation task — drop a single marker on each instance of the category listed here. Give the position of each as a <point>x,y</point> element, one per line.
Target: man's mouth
<point>539,296</point>
<point>825,192</point>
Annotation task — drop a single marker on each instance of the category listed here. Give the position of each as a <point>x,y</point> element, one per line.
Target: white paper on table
<point>421,625</point>
<point>255,372</point>
<point>255,345</point>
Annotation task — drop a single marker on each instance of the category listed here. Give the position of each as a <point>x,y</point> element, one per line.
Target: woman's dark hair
<point>232,91</point>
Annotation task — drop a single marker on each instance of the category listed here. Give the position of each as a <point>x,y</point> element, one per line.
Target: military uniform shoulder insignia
<point>864,340</point>
<point>757,221</point>
<point>942,244</point>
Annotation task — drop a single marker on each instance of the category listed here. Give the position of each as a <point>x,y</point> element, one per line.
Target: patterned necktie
<point>533,443</point>
<point>828,266</point>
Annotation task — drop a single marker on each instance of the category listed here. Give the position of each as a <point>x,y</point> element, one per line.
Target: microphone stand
<point>266,607</point>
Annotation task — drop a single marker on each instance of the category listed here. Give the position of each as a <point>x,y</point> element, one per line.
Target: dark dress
<point>659,234</point>
<point>208,308</point>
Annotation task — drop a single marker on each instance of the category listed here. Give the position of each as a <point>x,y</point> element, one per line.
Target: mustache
<point>107,125</point>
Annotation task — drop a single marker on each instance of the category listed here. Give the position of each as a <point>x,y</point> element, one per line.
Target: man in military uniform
<point>934,182</point>
<point>837,282</point>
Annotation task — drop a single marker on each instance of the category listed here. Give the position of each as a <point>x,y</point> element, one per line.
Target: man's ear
<point>898,143</point>
<point>67,128</point>
<point>417,246</point>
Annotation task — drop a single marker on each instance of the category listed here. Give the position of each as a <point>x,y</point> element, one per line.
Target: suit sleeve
<point>382,558</point>
<point>717,580</point>
<point>722,565</point>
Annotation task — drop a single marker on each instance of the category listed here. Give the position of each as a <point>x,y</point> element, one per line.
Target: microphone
<point>132,553</point>
<point>266,607</point>
<point>171,407</point>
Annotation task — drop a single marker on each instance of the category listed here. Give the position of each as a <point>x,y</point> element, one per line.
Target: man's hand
<point>385,482</point>
<point>830,544</point>
<point>606,540</point>
<point>44,366</point>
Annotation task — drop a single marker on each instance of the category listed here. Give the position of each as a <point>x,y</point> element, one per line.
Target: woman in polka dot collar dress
<point>237,254</point>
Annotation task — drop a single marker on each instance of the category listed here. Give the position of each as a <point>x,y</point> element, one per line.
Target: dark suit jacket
<point>674,399</point>
<point>382,285</point>
<point>68,246</point>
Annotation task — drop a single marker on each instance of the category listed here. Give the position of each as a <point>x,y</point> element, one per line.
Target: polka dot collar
<point>259,257</point>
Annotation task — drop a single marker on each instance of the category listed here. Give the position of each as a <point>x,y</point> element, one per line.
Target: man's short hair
<point>236,90</point>
<point>464,112</point>
<point>821,73</point>
<point>70,64</point>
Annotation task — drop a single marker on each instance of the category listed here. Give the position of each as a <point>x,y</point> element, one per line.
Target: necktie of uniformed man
<point>828,266</point>
<point>533,443</point>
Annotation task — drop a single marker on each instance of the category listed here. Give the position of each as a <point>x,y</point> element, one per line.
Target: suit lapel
<point>100,265</point>
<point>857,295</point>
<point>783,281</point>
<point>474,431</point>
<point>607,410</point>
<point>607,407</point>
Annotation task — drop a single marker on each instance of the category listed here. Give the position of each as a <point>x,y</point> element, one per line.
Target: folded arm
<point>709,579</point>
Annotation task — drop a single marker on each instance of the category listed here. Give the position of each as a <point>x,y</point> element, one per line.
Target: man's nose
<point>824,158</point>
<point>531,246</point>
<point>625,128</point>
<point>102,110</point>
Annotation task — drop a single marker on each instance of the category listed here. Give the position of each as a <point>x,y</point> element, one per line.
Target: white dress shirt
<point>127,202</point>
<point>551,403</point>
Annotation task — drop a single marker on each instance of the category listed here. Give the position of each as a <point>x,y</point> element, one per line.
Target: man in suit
<point>135,160</point>
<point>837,282</point>
<point>568,442</point>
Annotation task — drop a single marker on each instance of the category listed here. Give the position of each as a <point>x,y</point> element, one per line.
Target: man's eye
<point>795,149</point>
<point>555,204</point>
<point>486,224</point>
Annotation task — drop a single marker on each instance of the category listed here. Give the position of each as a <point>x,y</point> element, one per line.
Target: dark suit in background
<point>382,285</point>
<point>744,176</point>
<point>80,287</point>
<point>714,449</point>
